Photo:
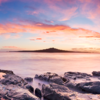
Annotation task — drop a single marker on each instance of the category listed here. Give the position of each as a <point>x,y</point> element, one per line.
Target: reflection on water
<point>29,64</point>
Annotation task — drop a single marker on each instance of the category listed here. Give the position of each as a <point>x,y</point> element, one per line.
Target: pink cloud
<point>38,38</point>
<point>33,39</point>
<point>44,29</point>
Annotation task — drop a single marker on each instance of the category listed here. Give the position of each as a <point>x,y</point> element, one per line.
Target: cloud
<point>47,21</point>
<point>56,9</point>
<point>45,29</point>
<point>89,36</point>
<point>38,38</point>
<point>11,47</point>
<point>33,39</point>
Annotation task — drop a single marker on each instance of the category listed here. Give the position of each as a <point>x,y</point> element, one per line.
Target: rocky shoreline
<point>70,86</point>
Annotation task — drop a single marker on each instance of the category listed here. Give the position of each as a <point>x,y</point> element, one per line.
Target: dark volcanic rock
<point>46,76</point>
<point>12,92</point>
<point>75,75</point>
<point>57,80</point>
<point>13,87</point>
<point>6,71</point>
<point>30,88</point>
<point>13,79</point>
<point>90,87</point>
<point>38,93</point>
<point>96,73</point>
<point>52,77</point>
<point>28,79</point>
<point>51,94</point>
<point>61,92</point>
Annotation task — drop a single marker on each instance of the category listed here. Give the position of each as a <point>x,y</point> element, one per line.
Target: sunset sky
<point>38,24</point>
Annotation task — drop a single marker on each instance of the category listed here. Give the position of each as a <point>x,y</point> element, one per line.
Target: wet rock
<point>46,76</point>
<point>52,77</point>
<point>39,84</point>
<point>12,87</point>
<point>28,79</point>
<point>90,87</point>
<point>75,75</point>
<point>96,73</point>
<point>57,80</point>
<point>12,92</point>
<point>13,79</point>
<point>51,94</point>
<point>6,71</point>
<point>60,92</point>
<point>38,93</point>
<point>30,88</point>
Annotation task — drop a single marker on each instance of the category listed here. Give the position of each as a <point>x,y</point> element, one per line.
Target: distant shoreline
<point>51,50</point>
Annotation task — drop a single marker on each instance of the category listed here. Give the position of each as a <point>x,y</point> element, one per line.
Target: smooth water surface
<point>29,64</point>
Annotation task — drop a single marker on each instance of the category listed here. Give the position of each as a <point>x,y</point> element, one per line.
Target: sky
<point>39,24</point>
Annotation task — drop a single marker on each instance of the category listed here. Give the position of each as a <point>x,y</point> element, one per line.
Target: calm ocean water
<point>29,64</point>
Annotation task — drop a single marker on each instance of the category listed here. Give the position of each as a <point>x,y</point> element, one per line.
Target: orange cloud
<point>11,28</point>
<point>89,36</point>
<point>38,38</point>
<point>48,30</point>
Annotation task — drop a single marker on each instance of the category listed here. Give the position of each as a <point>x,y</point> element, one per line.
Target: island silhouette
<point>51,50</point>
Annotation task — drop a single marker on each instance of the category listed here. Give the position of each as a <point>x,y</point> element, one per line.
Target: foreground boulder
<point>12,92</point>
<point>96,73</point>
<point>13,87</point>
<point>90,87</point>
<point>46,76</point>
<point>60,92</point>
<point>28,79</point>
<point>52,77</point>
<point>6,71</point>
<point>12,79</point>
<point>38,93</point>
<point>30,88</point>
<point>50,94</point>
<point>76,75</point>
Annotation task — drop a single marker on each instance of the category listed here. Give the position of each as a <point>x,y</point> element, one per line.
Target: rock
<point>75,75</point>
<point>38,93</point>
<point>39,84</point>
<point>13,87</point>
<point>46,76</point>
<point>90,87</point>
<point>28,79</point>
<point>96,73</point>
<point>57,80</point>
<point>12,92</point>
<point>30,88</point>
<point>52,77</point>
<point>59,88</point>
<point>60,92</point>
<point>13,79</point>
<point>6,71</point>
<point>51,94</point>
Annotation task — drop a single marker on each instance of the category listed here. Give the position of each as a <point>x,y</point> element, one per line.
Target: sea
<point>28,64</point>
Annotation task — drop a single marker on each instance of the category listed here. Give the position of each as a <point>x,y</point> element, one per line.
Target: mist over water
<point>29,64</point>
